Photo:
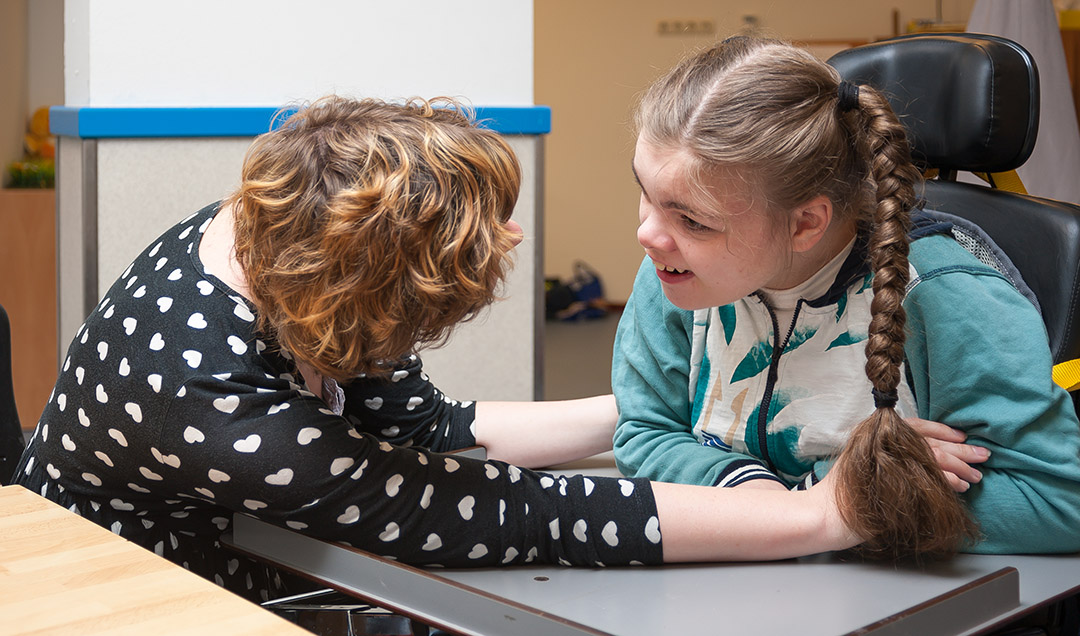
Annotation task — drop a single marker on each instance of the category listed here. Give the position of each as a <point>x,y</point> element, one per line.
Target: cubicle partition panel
<point>125,175</point>
<point>76,234</point>
<point>499,354</point>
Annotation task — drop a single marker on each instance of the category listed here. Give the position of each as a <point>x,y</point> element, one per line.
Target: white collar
<point>811,288</point>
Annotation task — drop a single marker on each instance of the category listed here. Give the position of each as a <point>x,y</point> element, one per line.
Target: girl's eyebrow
<point>674,205</point>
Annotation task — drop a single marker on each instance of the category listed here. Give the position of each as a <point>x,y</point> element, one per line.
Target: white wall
<point>271,52</point>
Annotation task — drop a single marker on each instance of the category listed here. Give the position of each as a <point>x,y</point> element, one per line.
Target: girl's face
<point>708,250</point>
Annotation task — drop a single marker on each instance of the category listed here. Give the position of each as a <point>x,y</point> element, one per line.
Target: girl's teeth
<point>673,270</point>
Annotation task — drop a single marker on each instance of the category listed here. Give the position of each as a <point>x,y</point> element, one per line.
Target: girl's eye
<point>693,225</point>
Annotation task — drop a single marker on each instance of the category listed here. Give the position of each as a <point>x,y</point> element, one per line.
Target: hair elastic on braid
<point>884,400</point>
<point>848,95</point>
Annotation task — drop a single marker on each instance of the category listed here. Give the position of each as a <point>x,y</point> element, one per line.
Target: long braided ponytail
<point>890,489</point>
<point>787,121</point>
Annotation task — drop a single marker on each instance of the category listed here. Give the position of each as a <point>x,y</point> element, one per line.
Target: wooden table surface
<point>60,573</point>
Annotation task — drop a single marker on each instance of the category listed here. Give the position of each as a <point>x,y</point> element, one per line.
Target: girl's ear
<point>809,223</point>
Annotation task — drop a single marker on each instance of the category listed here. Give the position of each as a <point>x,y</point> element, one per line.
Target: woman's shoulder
<point>164,322</point>
<point>650,308</point>
<point>938,250</point>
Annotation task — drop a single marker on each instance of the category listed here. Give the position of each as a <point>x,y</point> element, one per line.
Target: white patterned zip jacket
<point>704,397</point>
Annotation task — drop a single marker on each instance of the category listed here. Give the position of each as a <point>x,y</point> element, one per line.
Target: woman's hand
<point>824,493</point>
<point>954,457</point>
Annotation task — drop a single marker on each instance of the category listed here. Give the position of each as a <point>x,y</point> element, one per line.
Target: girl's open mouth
<point>670,274</point>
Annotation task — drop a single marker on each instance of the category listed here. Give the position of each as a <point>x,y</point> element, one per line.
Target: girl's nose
<point>651,233</point>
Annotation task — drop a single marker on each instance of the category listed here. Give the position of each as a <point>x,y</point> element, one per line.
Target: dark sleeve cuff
<point>806,483</point>
<point>742,471</point>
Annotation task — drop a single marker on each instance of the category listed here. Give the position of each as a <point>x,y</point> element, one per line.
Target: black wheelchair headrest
<point>969,101</point>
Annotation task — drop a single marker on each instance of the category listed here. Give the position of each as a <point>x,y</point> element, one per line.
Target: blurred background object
<point>37,168</point>
<point>1034,24</point>
<point>579,298</point>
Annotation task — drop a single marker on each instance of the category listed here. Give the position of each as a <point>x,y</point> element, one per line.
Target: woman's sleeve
<point>650,377</point>
<point>404,408</point>
<point>979,360</point>
<point>279,455</point>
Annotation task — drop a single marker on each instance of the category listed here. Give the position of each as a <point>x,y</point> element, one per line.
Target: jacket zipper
<point>774,371</point>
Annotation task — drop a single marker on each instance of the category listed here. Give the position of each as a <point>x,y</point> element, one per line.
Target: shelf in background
<point>28,294</point>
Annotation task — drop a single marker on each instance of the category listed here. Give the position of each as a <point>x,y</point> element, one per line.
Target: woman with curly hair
<point>260,358</point>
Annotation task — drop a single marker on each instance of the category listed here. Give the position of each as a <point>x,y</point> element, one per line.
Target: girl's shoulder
<point>939,251</point>
<point>946,257</point>
<point>945,243</point>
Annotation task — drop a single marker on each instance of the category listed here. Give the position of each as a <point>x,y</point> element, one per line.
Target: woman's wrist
<point>701,523</point>
<point>837,535</point>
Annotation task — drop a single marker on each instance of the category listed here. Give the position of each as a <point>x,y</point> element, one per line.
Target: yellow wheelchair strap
<point>1007,181</point>
<point>1067,375</point>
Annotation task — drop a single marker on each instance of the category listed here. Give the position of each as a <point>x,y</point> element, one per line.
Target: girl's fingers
<point>951,464</point>
<point>954,457</point>
<point>936,430</point>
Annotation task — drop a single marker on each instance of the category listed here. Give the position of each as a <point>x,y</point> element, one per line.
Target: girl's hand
<point>953,456</point>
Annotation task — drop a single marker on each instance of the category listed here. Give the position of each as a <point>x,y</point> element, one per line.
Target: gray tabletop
<point>818,595</point>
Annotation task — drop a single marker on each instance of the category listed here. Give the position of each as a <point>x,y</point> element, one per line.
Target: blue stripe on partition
<point>100,122</point>
<point>515,120</point>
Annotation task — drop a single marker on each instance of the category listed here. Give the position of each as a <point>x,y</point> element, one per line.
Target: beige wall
<point>593,57</point>
<point>13,82</point>
<point>31,68</point>
<point>45,53</point>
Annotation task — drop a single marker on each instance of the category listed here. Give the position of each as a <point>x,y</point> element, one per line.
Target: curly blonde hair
<point>366,228</point>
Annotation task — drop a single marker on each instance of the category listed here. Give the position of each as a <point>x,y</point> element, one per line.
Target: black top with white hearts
<point>171,413</point>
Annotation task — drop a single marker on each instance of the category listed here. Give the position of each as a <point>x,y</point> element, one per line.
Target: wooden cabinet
<point>28,294</point>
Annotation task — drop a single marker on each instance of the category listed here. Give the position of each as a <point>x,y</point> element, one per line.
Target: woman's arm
<point>350,487</point>
<point>735,524</point>
<point>954,457</point>
<point>539,434</point>
<point>404,408</point>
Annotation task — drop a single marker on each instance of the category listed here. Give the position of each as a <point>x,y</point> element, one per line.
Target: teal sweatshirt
<point>703,399</point>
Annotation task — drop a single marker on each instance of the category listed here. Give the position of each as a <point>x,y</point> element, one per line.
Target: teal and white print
<point>820,390</point>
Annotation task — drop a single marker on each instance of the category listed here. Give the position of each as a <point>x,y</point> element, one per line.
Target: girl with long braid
<point>797,310</point>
